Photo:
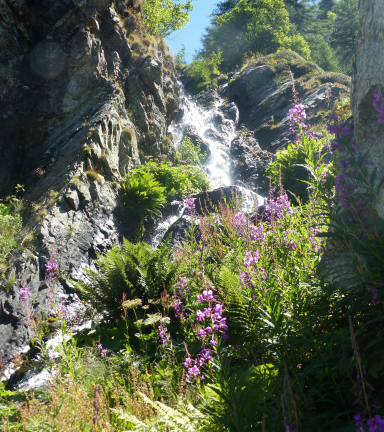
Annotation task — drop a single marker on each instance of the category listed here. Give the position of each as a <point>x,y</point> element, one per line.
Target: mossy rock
<point>284,61</point>
<point>335,78</point>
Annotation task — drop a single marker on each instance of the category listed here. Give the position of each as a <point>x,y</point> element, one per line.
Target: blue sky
<point>191,34</point>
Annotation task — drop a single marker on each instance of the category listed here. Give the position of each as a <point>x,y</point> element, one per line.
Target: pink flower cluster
<point>102,351</point>
<point>240,221</point>
<point>376,424</point>
<point>193,365</point>
<point>297,115</point>
<point>255,231</point>
<point>211,318</point>
<point>26,303</point>
<point>51,271</point>
<point>24,294</point>
<point>316,241</point>
<point>277,207</point>
<point>250,263</point>
<point>184,292</point>
<point>373,289</point>
<point>182,287</point>
<point>164,335</point>
<point>190,205</point>
<point>212,326</point>
<point>336,127</point>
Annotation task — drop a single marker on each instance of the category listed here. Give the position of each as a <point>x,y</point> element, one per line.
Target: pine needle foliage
<point>136,269</point>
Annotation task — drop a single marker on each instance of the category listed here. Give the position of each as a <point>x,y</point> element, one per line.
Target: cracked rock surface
<point>83,98</point>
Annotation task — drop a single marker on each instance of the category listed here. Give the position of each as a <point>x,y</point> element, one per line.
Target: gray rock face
<point>82,100</point>
<point>263,95</point>
<point>249,162</point>
<point>368,77</point>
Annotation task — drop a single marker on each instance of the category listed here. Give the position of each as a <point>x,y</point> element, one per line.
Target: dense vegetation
<point>258,323</point>
<point>323,32</point>
<point>264,321</point>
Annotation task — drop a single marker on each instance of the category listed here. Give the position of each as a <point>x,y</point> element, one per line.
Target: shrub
<point>190,153</point>
<point>289,166</point>
<point>162,17</point>
<point>181,57</point>
<point>203,69</point>
<point>134,269</point>
<point>297,44</point>
<point>10,226</point>
<point>176,181</point>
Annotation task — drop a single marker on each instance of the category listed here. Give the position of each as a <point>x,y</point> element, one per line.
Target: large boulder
<point>263,94</point>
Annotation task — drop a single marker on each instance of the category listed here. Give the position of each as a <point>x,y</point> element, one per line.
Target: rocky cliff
<point>84,96</point>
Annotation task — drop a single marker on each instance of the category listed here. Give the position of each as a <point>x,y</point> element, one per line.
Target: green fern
<point>142,192</point>
<point>184,418</point>
<point>136,269</point>
<point>237,307</point>
<point>289,166</point>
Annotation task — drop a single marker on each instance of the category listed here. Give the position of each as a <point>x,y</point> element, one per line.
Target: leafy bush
<point>10,226</point>
<point>134,269</point>
<point>176,181</point>
<point>180,57</point>
<point>297,44</point>
<point>204,69</point>
<point>257,27</point>
<point>289,166</point>
<point>190,153</point>
<point>162,17</point>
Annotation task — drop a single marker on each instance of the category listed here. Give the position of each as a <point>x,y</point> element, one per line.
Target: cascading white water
<point>202,121</point>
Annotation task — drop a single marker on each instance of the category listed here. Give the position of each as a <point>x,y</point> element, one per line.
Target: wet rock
<point>177,232</point>
<point>72,199</point>
<point>231,112</point>
<point>249,162</point>
<point>209,201</point>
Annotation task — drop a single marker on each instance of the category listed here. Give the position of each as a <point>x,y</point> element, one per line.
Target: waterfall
<point>209,119</point>
<point>217,137</point>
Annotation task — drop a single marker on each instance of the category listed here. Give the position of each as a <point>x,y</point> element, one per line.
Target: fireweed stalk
<point>51,276</point>
<point>297,115</point>
<point>209,325</point>
<point>25,298</point>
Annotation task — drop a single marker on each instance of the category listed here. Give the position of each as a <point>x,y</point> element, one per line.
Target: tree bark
<point>368,77</point>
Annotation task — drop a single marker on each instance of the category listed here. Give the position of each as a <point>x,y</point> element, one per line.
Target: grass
<point>94,176</point>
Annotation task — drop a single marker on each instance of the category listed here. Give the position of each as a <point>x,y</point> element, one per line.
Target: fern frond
<point>36,425</point>
<point>236,305</point>
<point>183,418</point>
